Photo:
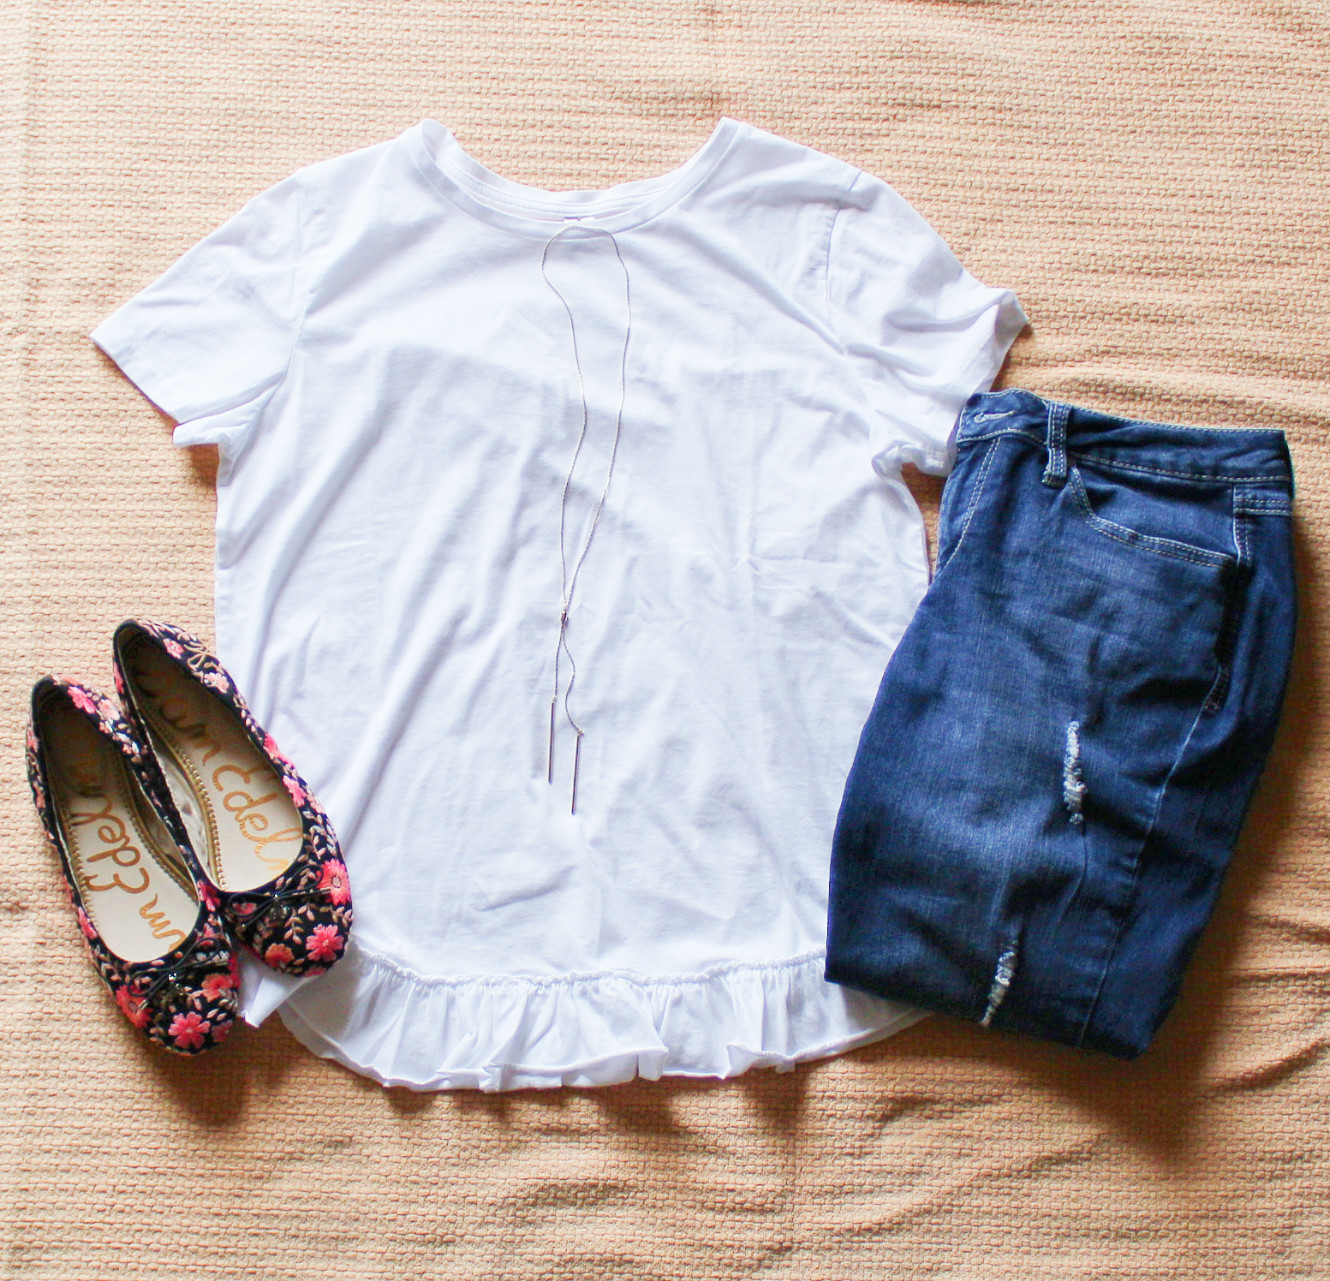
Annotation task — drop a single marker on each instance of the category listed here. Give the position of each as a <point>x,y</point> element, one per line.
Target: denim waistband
<point>1232,454</point>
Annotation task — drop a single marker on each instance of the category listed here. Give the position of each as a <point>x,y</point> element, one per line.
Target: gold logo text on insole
<point>110,832</point>
<point>251,821</point>
<point>113,836</point>
<point>190,724</point>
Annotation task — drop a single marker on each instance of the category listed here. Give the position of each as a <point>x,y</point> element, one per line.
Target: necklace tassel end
<point>577,761</point>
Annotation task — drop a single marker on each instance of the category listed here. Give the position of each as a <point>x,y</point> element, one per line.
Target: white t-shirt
<point>392,385</point>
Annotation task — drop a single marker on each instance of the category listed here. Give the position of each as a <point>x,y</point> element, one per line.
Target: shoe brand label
<point>262,815</point>
<point>107,829</point>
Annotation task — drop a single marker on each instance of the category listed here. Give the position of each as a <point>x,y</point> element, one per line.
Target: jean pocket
<point>1187,519</point>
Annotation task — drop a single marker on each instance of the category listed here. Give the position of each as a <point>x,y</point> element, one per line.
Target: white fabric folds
<point>510,1033</point>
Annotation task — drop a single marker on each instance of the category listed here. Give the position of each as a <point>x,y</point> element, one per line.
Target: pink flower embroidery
<point>85,925</point>
<point>297,792</point>
<point>334,881</point>
<point>173,648</point>
<point>215,984</point>
<point>208,897</point>
<point>188,1030</point>
<point>216,680</point>
<point>324,943</point>
<point>82,700</point>
<point>130,1006</point>
<point>278,954</point>
<point>272,749</point>
<point>119,683</point>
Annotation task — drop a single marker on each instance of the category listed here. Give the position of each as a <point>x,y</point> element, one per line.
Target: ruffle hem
<point>496,1033</point>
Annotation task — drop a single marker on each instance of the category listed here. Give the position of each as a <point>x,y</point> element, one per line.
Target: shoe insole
<point>132,886</point>
<point>246,827</point>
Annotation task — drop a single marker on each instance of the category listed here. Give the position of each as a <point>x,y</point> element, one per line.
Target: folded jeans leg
<point>1054,772</point>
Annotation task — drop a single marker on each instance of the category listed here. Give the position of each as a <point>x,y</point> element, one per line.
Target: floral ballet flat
<point>267,849</point>
<point>151,925</point>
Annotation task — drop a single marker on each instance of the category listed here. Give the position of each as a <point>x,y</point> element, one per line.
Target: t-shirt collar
<point>534,211</point>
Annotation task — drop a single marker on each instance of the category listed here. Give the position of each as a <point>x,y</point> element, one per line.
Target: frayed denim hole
<point>1001,984</point>
<point>1073,783</point>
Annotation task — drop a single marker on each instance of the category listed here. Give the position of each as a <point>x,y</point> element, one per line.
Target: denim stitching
<point>1222,431</point>
<point>1213,699</point>
<point>974,503</point>
<point>1240,537</point>
<point>1262,507</point>
<point>1003,431</point>
<point>1161,546</point>
<point>1228,624</point>
<point>1115,465</point>
<point>1055,471</point>
<point>1145,422</point>
<point>1136,875</point>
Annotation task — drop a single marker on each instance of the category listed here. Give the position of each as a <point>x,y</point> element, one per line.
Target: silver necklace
<point>567,581</point>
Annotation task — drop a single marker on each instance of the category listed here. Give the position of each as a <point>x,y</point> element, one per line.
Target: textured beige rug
<point>1151,177</point>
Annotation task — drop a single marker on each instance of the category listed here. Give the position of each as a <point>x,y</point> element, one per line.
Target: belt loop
<point>1055,474</point>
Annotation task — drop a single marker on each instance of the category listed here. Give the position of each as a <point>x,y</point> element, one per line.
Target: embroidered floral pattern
<point>300,921</point>
<point>189,1031</point>
<point>133,1009</point>
<point>186,1000</point>
<point>324,943</point>
<point>333,881</point>
<point>82,700</point>
<point>218,982</point>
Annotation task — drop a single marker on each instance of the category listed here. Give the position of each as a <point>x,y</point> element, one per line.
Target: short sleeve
<point>924,333</point>
<point>211,337</point>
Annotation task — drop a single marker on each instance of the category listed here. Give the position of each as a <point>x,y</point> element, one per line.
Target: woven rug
<point>1151,177</point>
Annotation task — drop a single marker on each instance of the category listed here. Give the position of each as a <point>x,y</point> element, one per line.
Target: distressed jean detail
<point>1052,779</point>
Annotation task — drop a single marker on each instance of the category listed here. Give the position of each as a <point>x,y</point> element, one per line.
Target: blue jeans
<point>1053,776</point>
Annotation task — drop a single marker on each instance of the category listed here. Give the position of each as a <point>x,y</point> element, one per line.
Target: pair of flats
<point>183,834</point>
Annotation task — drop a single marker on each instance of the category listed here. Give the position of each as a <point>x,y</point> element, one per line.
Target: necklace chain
<point>567,581</point>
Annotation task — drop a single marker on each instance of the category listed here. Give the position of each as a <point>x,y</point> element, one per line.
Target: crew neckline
<point>535,211</point>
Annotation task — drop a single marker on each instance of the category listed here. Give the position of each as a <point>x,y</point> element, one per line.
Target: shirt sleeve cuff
<point>120,338</point>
